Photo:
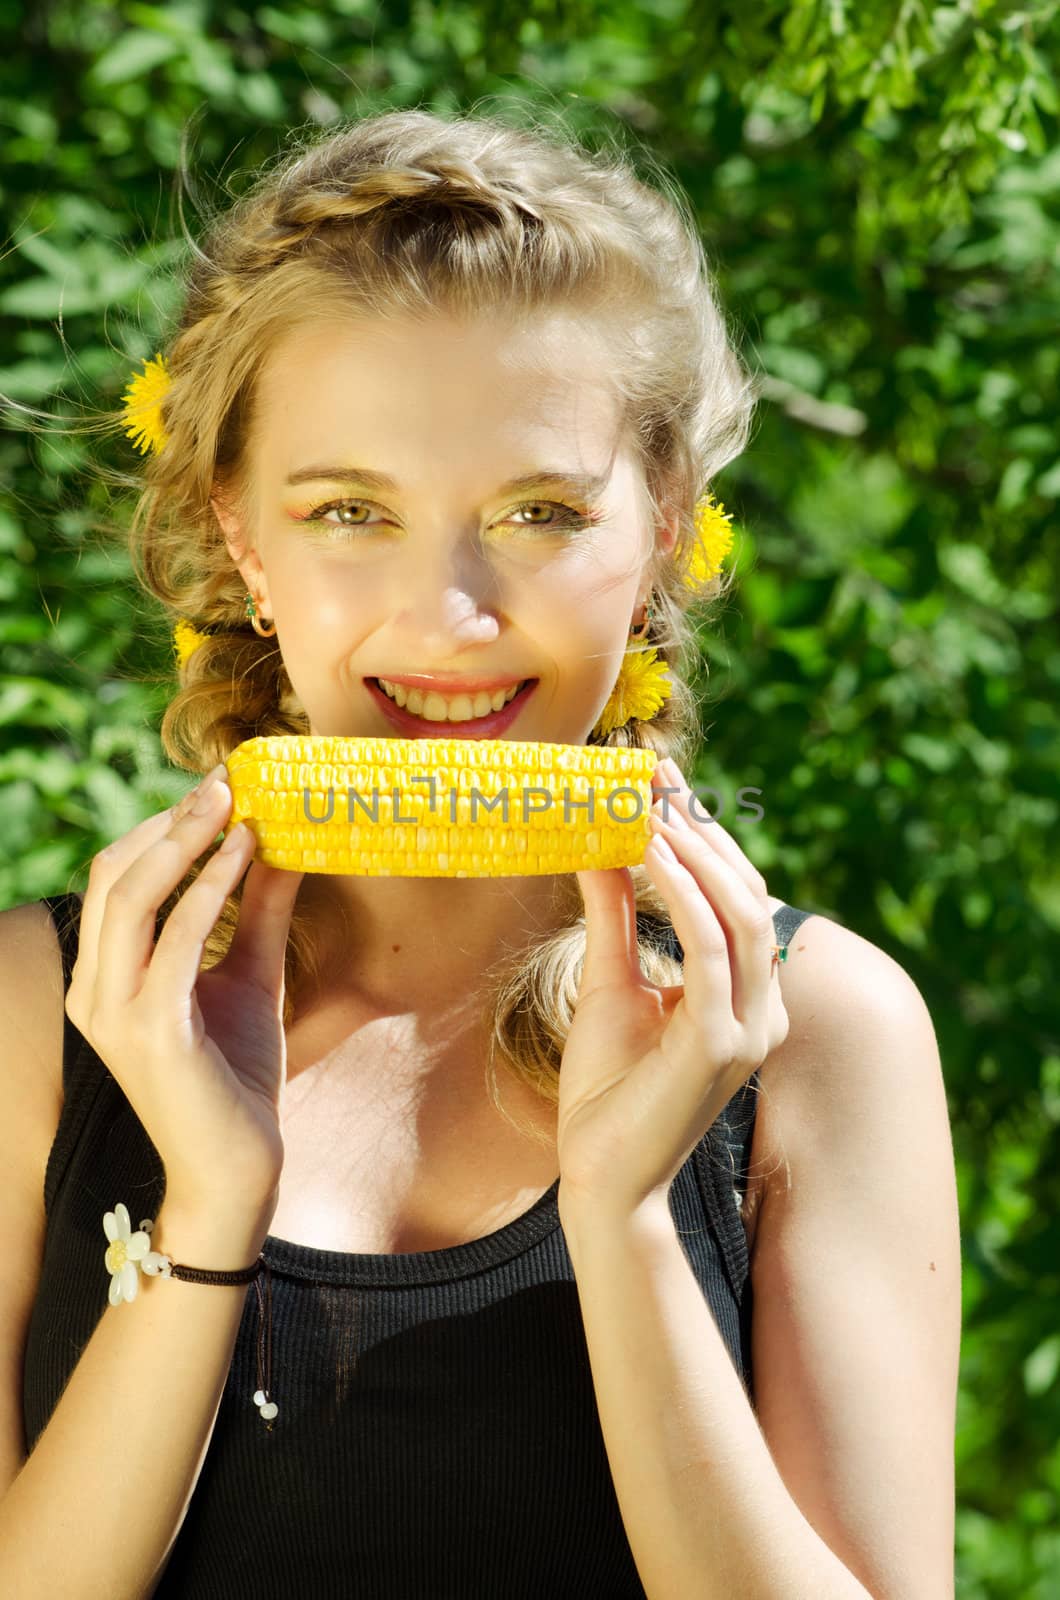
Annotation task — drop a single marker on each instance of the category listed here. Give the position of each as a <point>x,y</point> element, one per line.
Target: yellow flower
<point>143,405</point>
<point>643,684</point>
<point>715,541</point>
<point>186,639</point>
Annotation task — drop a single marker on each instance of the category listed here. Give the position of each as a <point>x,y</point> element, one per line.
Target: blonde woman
<point>610,1253</point>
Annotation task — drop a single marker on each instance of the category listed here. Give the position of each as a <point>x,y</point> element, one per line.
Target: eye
<point>567,518</point>
<point>560,517</point>
<point>317,514</point>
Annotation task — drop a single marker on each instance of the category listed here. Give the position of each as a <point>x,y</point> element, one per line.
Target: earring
<point>259,624</point>
<point>642,686</point>
<point>645,627</point>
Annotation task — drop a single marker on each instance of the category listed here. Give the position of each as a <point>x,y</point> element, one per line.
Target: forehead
<point>398,385</point>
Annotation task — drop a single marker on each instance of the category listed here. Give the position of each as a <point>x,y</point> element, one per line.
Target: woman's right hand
<point>201,1056</point>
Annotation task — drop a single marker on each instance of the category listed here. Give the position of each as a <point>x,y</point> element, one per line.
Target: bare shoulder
<point>33,1006</point>
<point>845,997</point>
<point>32,997</point>
<point>856,1264</point>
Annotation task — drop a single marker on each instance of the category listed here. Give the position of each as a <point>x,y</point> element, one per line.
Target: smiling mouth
<point>434,707</point>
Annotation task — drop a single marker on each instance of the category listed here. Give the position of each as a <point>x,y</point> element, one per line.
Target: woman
<point>439,413</point>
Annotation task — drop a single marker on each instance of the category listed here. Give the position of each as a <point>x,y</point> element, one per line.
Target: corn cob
<point>441,808</point>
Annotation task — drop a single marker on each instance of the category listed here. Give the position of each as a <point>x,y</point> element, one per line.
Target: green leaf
<point>1041,1366</point>
<point>32,380</point>
<point>136,53</point>
<point>38,703</point>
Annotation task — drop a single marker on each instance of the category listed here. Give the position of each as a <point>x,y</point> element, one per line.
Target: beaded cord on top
<point>643,683</point>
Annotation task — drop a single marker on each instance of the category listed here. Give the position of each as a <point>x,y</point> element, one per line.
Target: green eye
<point>564,518</point>
<point>568,518</point>
<point>318,513</point>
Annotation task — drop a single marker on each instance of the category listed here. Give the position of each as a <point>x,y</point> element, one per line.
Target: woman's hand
<point>646,1069</point>
<point>201,1056</point>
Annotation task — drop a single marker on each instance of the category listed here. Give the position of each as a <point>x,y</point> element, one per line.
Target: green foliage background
<point>879,189</point>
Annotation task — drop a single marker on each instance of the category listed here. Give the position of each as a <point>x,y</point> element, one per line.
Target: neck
<point>422,945</point>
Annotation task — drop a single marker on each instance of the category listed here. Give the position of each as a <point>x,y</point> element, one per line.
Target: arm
<point>201,1058</point>
<point>840,1481</point>
<point>96,1508</point>
<point>705,1510</point>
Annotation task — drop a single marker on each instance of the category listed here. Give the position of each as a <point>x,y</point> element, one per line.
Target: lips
<point>490,726</point>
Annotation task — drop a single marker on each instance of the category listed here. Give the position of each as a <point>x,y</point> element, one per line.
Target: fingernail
<point>203,784</point>
<point>207,798</point>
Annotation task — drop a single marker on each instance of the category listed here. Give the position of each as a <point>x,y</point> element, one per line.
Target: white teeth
<point>461,708</point>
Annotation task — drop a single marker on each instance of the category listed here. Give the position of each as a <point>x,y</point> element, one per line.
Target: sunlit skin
<point>448,575</point>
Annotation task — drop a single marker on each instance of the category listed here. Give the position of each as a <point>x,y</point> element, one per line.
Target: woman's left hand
<point>646,1069</point>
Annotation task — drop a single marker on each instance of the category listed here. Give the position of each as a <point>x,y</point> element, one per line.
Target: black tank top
<point>437,1432</point>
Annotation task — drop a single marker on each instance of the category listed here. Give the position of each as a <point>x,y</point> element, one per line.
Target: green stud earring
<point>260,626</point>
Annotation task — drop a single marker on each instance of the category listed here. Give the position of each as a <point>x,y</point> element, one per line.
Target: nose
<point>448,605</point>
<point>435,630</point>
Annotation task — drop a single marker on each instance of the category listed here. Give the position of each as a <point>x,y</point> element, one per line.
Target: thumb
<point>260,941</point>
<point>611,951</point>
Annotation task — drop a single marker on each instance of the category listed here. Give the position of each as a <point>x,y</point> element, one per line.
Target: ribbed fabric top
<point>437,1433</point>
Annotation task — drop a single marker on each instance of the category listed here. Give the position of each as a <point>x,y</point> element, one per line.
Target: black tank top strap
<point>787,921</point>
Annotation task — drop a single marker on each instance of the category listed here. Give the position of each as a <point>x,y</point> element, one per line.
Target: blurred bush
<point>879,191</point>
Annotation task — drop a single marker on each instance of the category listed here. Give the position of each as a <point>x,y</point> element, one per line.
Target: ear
<point>668,534</point>
<point>664,539</point>
<point>245,558</point>
<point>228,521</point>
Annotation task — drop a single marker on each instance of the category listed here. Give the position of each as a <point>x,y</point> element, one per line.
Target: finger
<point>176,960</point>
<point>679,801</point>
<point>107,866</point>
<point>259,945</point>
<point>744,920</point>
<point>127,934</point>
<point>707,972</point>
<point>612,951</point>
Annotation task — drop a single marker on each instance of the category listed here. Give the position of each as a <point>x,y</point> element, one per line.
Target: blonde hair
<point>408,213</point>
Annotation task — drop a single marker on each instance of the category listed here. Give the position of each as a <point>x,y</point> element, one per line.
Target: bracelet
<point>129,1254</point>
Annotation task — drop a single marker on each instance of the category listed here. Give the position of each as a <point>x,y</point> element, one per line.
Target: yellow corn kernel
<point>441,808</point>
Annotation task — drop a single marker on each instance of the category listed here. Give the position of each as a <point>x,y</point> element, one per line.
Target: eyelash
<point>573,520</point>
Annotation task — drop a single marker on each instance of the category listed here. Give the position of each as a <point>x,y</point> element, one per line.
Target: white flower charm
<point>126,1252</point>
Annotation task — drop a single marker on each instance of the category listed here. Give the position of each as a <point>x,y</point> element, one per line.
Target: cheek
<point>325,596</point>
<point>575,622</point>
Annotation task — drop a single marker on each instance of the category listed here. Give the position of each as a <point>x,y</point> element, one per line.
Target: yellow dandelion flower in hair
<point>715,533</point>
<point>643,684</point>
<point>186,639</point>
<point>143,405</point>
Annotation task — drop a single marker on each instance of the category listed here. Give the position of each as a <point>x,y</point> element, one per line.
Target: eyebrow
<point>585,484</point>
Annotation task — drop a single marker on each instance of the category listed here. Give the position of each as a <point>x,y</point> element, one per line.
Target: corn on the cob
<point>441,808</point>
